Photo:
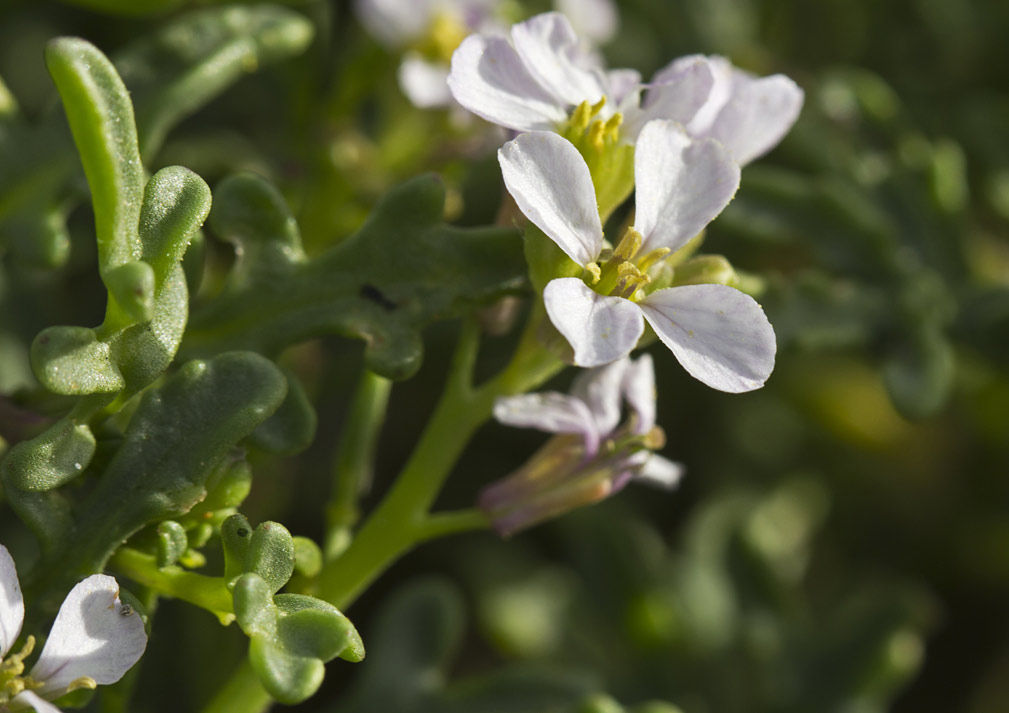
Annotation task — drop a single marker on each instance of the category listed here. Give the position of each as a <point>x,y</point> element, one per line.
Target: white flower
<point>531,81</point>
<point>595,20</point>
<point>749,115</point>
<point>593,456</point>
<point>437,25</point>
<point>720,335</point>
<point>94,640</point>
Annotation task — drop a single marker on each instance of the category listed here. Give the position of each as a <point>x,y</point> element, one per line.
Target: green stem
<point>354,461</point>
<point>402,520</point>
<point>241,694</point>
<point>206,592</point>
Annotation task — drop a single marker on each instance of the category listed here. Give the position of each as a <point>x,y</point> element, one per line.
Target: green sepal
<point>271,554</point>
<point>72,361</point>
<point>545,259</point>
<point>54,457</point>
<point>704,270</point>
<point>172,542</point>
<point>402,271</point>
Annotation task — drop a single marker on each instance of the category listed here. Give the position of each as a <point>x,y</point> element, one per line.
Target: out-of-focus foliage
<point>841,540</point>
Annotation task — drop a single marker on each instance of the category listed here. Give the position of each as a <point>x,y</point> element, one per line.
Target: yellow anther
<point>593,270</point>
<point>655,439</point>
<point>645,263</point>
<point>82,682</point>
<point>597,136</point>
<point>628,270</point>
<point>581,117</point>
<point>628,246</point>
<point>613,125</point>
<point>598,106</point>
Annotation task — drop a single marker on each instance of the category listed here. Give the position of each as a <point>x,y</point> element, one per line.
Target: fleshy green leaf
<point>403,270</point>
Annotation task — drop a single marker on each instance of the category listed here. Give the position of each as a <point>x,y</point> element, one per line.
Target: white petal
<point>395,23</point>
<point>600,389</point>
<point>551,184</point>
<point>490,80</point>
<point>424,83</point>
<point>32,700</point>
<point>678,97</point>
<point>600,329</point>
<point>660,472</point>
<point>759,113</point>
<point>721,89</point>
<point>639,390</point>
<point>552,412</point>
<point>595,20</point>
<point>550,50</point>
<point>681,183</point>
<point>12,605</point>
<point>719,334</point>
<point>94,635</point>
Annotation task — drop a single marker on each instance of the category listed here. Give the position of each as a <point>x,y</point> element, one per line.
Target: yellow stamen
<point>645,263</point>
<point>628,246</point>
<point>82,682</point>
<point>581,117</point>
<point>446,34</point>
<point>593,270</point>
<point>598,106</point>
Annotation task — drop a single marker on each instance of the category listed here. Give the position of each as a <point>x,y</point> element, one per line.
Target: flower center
<point>13,682</point>
<point>624,273</point>
<point>444,35</point>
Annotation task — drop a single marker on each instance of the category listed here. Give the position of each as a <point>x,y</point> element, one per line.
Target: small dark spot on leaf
<point>44,339</point>
<point>242,532</point>
<point>370,292</point>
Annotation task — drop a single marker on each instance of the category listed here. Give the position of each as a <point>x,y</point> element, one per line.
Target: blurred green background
<point>841,540</point>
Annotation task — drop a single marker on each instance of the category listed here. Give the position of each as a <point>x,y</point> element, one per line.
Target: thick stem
<point>206,592</point>
<point>241,694</point>
<point>354,460</point>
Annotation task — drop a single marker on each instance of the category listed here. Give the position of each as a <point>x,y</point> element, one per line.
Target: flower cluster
<point>594,454</point>
<point>95,639</point>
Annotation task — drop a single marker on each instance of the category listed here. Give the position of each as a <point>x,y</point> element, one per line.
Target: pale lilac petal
<point>600,329</point>
<point>600,389</point>
<point>719,334</point>
<point>94,635</point>
<point>595,20</point>
<point>551,51</point>
<point>678,97</point>
<point>660,472</point>
<point>681,183</point>
<point>32,700</point>
<point>623,91</point>
<point>424,83</point>
<point>552,412</point>
<point>639,390</point>
<point>12,605</point>
<point>757,116</point>
<point>395,23</point>
<point>490,80</point>
<point>721,89</point>
<point>552,186</point>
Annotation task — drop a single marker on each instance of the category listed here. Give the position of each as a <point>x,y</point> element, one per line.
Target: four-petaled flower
<point>95,639</point>
<point>533,79</point>
<point>592,456</point>
<point>719,334</point>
